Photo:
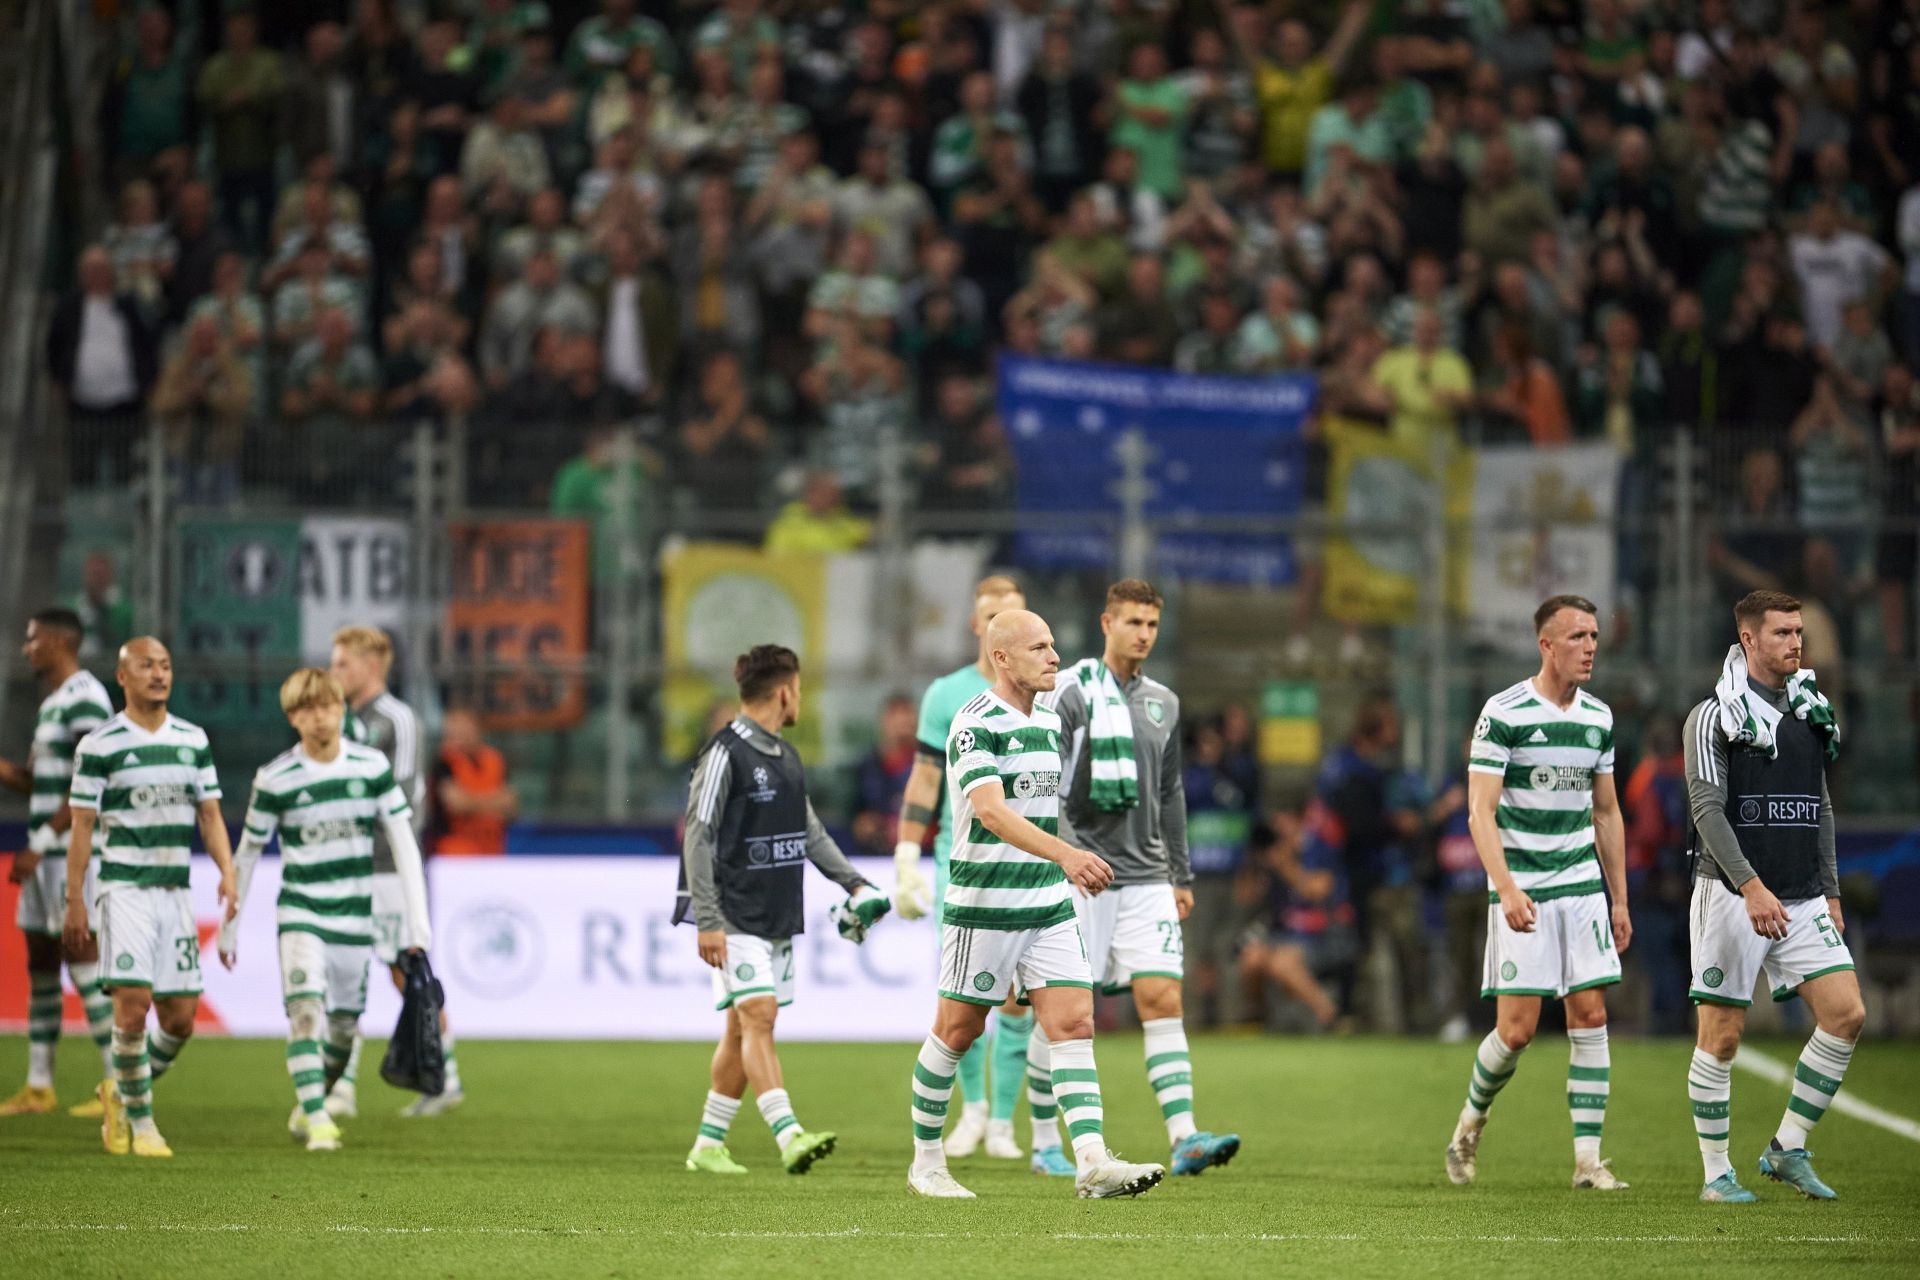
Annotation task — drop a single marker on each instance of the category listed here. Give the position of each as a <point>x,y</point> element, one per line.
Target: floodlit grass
<point>566,1161</point>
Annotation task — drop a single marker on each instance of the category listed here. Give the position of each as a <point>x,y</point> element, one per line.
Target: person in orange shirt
<point>1525,389</point>
<point>472,800</point>
<point>1659,829</point>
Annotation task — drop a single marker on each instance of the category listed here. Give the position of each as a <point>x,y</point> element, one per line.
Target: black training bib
<point>761,853</point>
<point>1774,807</point>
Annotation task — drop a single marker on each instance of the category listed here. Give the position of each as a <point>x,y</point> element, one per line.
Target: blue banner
<point>1217,446</point>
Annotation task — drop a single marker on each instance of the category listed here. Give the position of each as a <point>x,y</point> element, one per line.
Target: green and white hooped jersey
<point>1547,759</point>
<point>68,714</point>
<point>147,788</point>
<point>325,815</point>
<point>991,884</point>
<point>938,706</point>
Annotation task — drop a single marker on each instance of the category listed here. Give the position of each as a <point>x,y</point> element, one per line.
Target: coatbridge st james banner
<point>1218,446</point>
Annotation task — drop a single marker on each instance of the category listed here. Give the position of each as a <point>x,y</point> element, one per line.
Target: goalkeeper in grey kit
<point>1123,797</point>
<point>750,832</point>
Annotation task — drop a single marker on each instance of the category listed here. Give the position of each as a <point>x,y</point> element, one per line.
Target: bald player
<point>145,778</point>
<point>1008,923</point>
<point>986,1109</point>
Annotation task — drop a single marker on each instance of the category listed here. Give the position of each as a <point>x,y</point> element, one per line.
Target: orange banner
<point>521,590</point>
<point>13,955</point>
<point>73,1016</point>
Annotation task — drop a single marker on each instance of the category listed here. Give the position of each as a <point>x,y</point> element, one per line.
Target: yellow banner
<point>1374,576</point>
<point>1289,723</point>
<point>721,600</point>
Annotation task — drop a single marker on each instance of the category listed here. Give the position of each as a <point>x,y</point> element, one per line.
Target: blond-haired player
<point>361,661</point>
<point>325,798</point>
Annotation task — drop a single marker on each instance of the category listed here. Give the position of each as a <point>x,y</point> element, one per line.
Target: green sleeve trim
<point>980,773</point>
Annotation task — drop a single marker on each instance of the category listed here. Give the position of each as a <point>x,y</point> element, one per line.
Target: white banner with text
<point>584,948</point>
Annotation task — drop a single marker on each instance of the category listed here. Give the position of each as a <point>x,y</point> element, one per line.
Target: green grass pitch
<point>566,1162</point>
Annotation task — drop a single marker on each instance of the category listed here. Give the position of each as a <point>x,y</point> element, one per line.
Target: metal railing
<point>649,651</point>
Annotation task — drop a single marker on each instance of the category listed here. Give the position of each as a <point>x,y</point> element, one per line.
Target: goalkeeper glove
<point>859,912</point>
<point>911,897</point>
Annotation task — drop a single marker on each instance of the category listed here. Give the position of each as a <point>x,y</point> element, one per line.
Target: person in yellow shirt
<point>1296,82</point>
<point>819,523</point>
<point>1422,388</point>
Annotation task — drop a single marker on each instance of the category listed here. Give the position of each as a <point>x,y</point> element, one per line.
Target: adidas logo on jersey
<point>1539,735</point>
<point>305,798</point>
<point>131,762</point>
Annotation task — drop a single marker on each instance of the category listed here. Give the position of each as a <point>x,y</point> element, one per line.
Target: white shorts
<point>981,966</point>
<point>336,973</point>
<point>43,896</point>
<point>1728,956</point>
<point>1132,931</point>
<point>1570,949</point>
<point>389,913</point>
<point>148,939</point>
<point>755,967</point>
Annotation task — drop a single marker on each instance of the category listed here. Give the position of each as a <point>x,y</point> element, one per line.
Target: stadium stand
<point>394,257</point>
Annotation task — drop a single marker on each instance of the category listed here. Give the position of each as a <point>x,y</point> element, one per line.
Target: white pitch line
<point>1774,1071</point>
<point>856,1233</point>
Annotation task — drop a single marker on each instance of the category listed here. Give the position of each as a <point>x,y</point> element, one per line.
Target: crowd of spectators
<point>1358,901</point>
<point>786,234</point>
<point>1355,899</point>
